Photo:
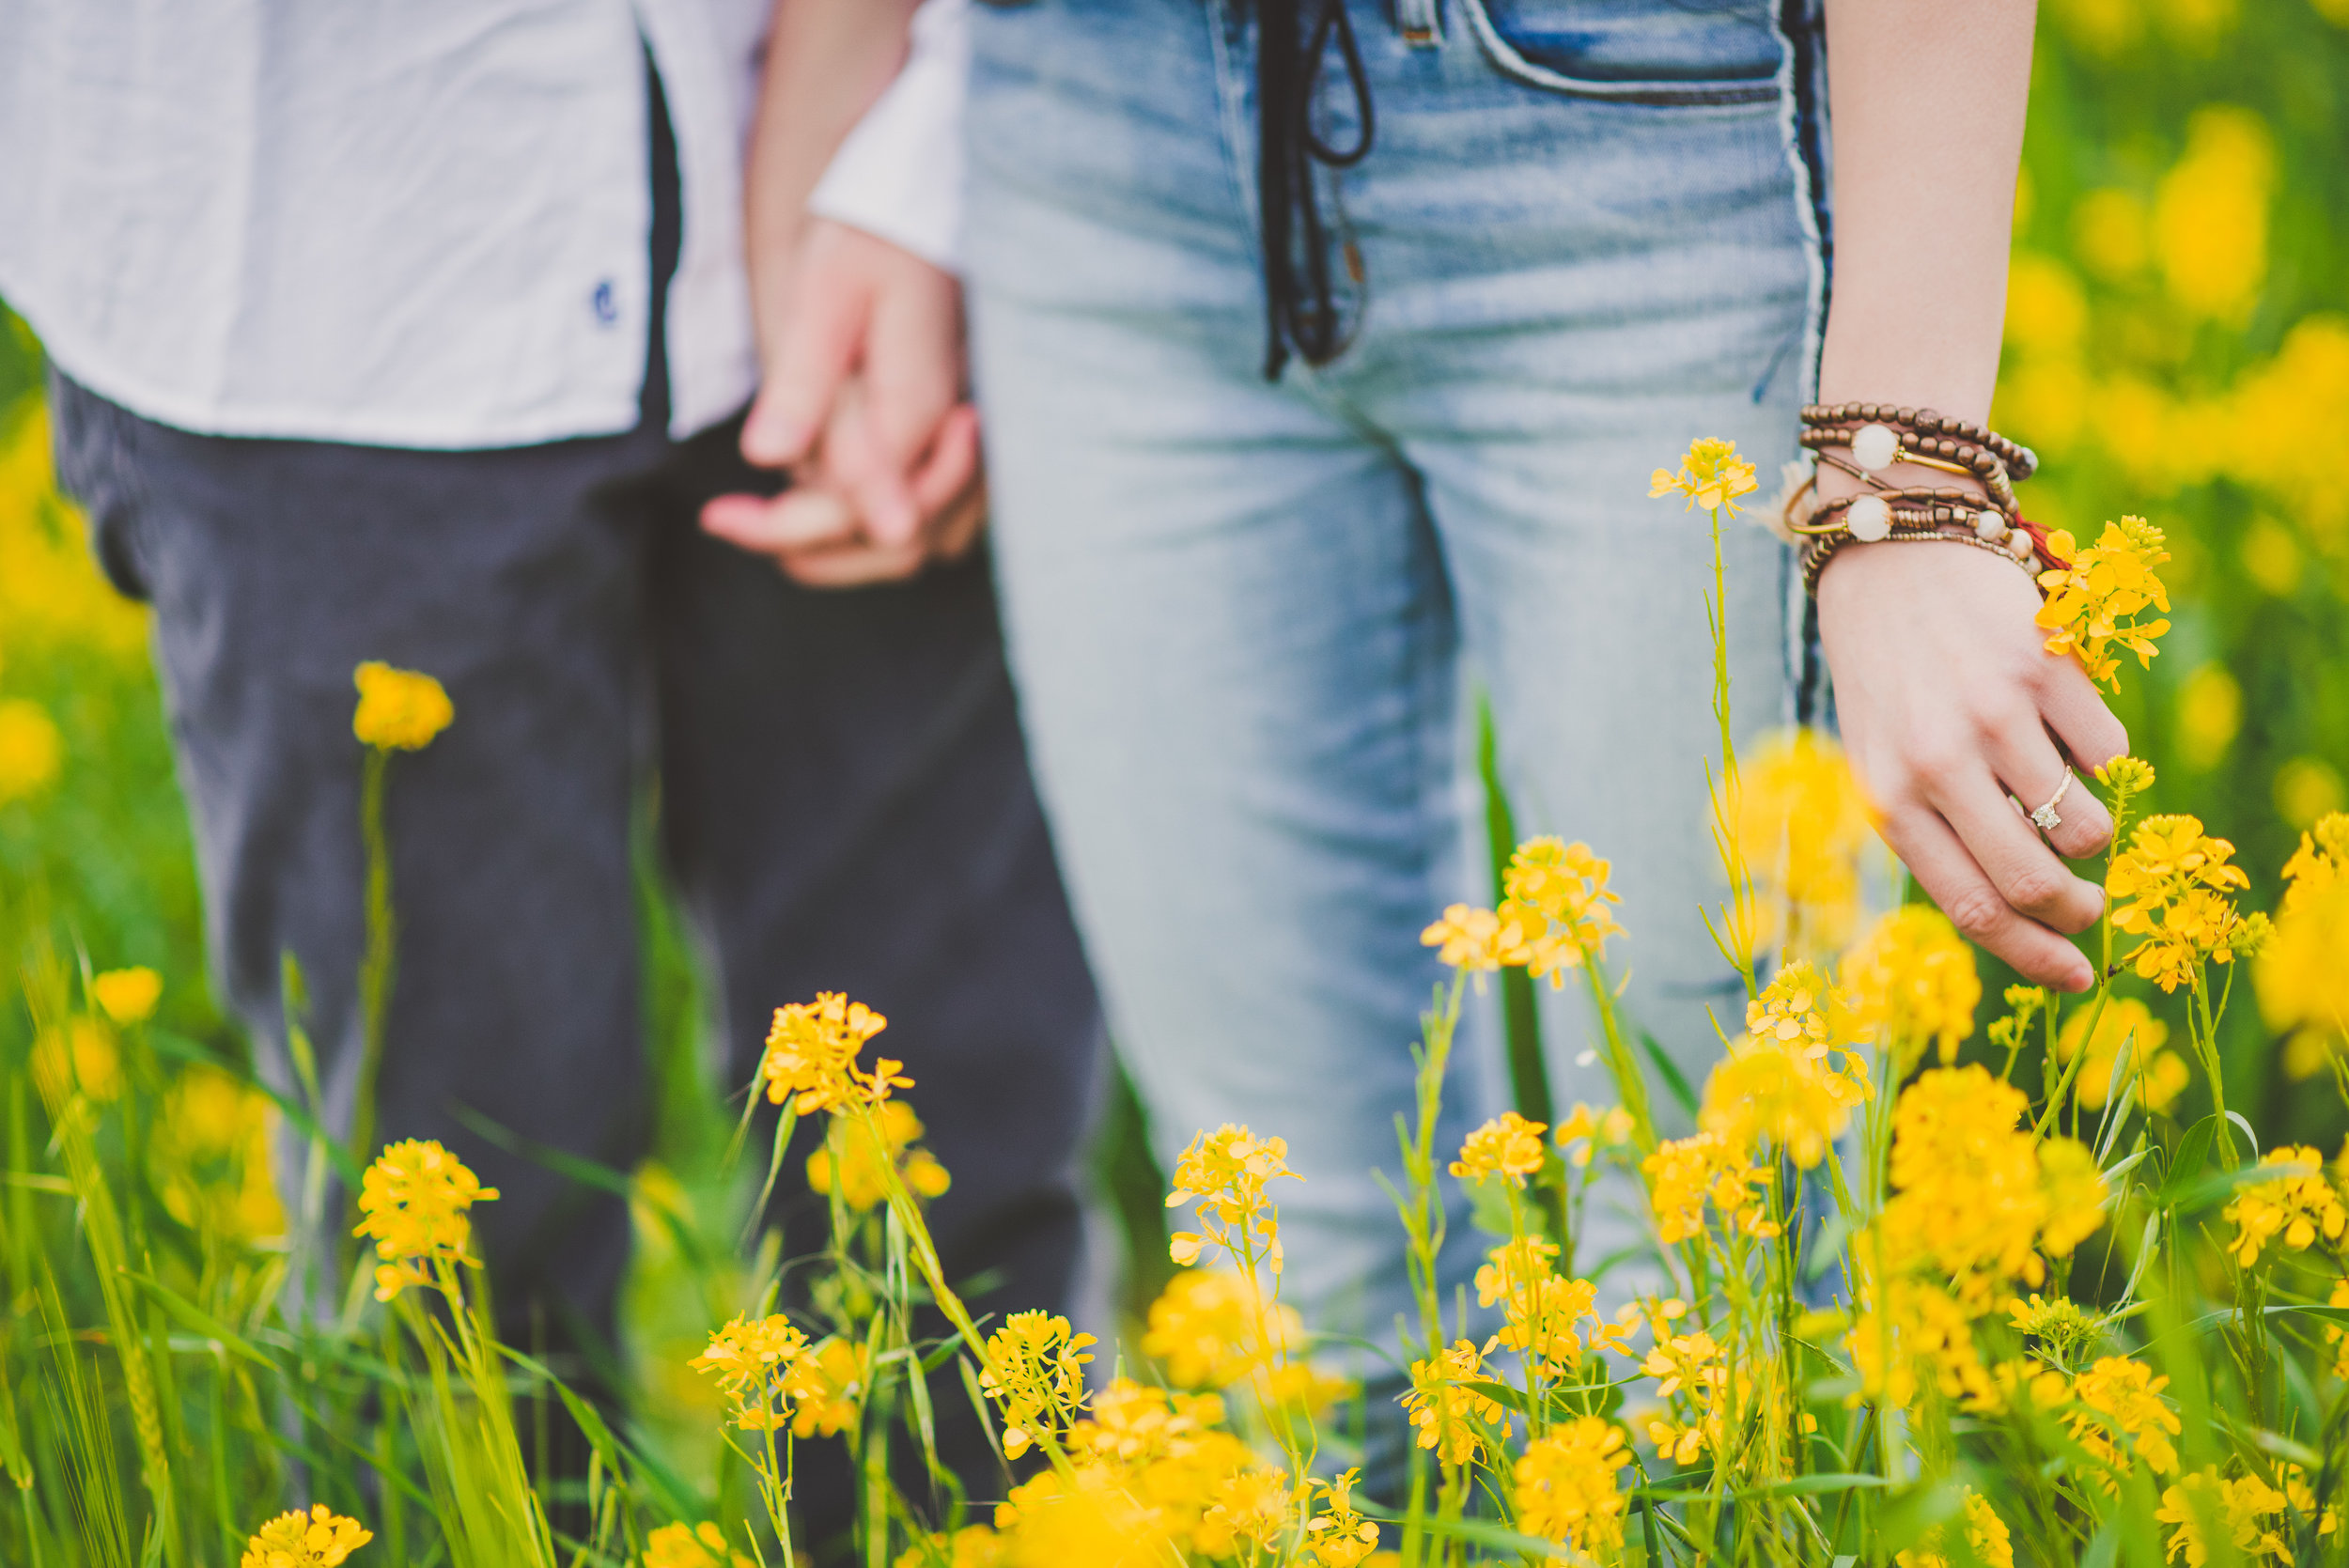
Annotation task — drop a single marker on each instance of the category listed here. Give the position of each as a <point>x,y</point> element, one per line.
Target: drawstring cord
<point>1300,314</point>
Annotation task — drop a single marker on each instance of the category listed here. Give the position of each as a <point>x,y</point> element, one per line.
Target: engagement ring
<point>2045,818</point>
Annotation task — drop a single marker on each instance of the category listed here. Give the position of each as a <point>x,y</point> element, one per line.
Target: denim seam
<point>1659,94</point>
<point>1799,652</point>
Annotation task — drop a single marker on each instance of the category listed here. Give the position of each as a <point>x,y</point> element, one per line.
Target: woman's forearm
<point>827,61</point>
<point>1927,98</point>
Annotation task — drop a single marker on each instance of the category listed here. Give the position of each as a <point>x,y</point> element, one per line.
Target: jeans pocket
<point>1656,52</point>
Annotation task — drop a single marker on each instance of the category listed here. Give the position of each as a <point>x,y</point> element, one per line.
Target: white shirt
<point>401,222</point>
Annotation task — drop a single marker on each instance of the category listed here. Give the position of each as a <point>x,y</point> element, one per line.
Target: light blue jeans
<point>1248,619</point>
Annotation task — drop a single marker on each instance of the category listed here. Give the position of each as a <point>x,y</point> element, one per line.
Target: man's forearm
<point>1928,100</point>
<point>827,61</point>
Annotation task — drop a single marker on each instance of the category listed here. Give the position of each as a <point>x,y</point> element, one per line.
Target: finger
<point>950,471</point>
<point>853,566</point>
<point>822,336</point>
<point>912,384</point>
<point>2009,851</point>
<point>869,472</point>
<point>2079,717</point>
<point>2035,774</point>
<point>952,539</point>
<point>1939,862</point>
<point>799,519</point>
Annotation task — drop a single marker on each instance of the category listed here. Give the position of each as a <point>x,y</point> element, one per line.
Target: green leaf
<point>2184,1169</point>
<point>1666,1070</point>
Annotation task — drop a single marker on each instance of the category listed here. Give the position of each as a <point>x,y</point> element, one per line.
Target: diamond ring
<point>2045,818</point>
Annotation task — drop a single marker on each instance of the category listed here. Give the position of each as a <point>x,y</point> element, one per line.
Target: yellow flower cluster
<point>399,710</point>
<point>1986,1537</point>
<point>1684,1173</point>
<point>210,1153</point>
<point>1152,1478</point>
<point>52,594</point>
<point>77,1055</point>
<point>2098,601</point>
<point>1803,824</point>
<point>1508,1146</point>
<point>1556,916</point>
<point>1910,980</point>
<point>1782,1084</point>
<point>1691,1370</point>
<point>1712,475</point>
<point>2126,1025</point>
<point>2243,1509</point>
<point>1546,1315</point>
<point>1224,1173</point>
<point>1585,1131</point>
<point>775,1378</point>
<point>811,1056</point>
<point>682,1546</point>
<point>2119,1397</point>
<point>2175,879</point>
<point>857,1158</point>
<point>2304,971</point>
<point>414,1200</point>
<point>127,996</point>
<point>1035,1373</point>
<point>1453,1417</point>
<point>1339,1536</point>
<point>32,752</point>
<point>1210,1329</point>
<point>320,1538</point>
<point>2299,1205</point>
<point>1565,1486</point>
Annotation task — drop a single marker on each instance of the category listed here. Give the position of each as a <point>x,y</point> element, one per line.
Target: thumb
<point>822,339</point>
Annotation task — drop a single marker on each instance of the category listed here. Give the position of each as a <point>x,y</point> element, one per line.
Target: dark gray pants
<point>843,796</point>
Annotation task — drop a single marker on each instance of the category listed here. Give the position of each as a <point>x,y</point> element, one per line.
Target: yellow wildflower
<point>752,1363</point>
<point>1711,475</point>
<point>1985,1533</point>
<point>858,1157</point>
<point>682,1546</point>
<point>1225,1172</point>
<point>1452,1418</point>
<point>1967,1181</point>
<point>414,1200</point>
<point>210,1154</point>
<point>826,1385</point>
<point>1585,1131</point>
<point>2074,1192</point>
<point>319,1539</point>
<point>2128,1396</point>
<point>2299,1204</point>
<point>1544,1312</point>
<point>1565,1486</point>
<point>1803,824</point>
<point>1252,1506</point>
<point>1692,1372</point>
<point>1339,1536</point>
<point>80,1054</point>
<point>2099,600</point>
<point>128,996</point>
<point>1781,1084</point>
<point>971,1547</point>
<point>399,710</point>
<point>31,752</point>
<point>2174,879</point>
<point>1469,939</point>
<point>1686,1173</point>
<point>2304,973</point>
<point>2062,1322</point>
<point>1203,1329</point>
<point>2240,1509</point>
<point>811,1056</point>
<point>2125,1023</point>
<point>1913,1335</point>
<point>2210,215</point>
<point>1036,1372</point>
<point>1565,885</point>
<point>1508,1146</point>
<point>1910,980</point>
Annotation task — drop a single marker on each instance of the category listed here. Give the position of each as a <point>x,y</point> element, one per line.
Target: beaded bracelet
<point>1865,439</point>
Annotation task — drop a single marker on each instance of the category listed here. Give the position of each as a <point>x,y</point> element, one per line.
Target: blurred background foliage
<point>2177,346</point>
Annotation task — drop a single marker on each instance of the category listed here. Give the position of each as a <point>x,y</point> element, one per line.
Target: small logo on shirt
<point>606,302</point>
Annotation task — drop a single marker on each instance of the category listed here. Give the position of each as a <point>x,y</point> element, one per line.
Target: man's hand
<point>1950,704</point>
<point>863,402</point>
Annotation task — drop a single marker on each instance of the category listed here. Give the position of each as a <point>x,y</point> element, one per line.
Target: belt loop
<point>1417,21</point>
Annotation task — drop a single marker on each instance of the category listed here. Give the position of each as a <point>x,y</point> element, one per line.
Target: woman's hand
<point>1949,705</point>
